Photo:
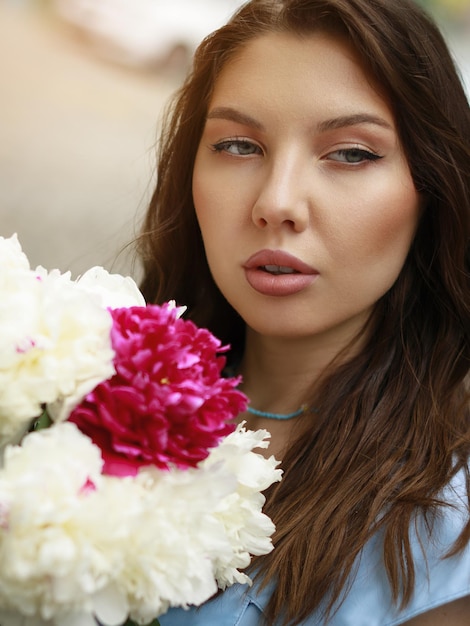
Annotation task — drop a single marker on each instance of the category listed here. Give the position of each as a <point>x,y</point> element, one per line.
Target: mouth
<point>278,262</point>
<point>278,270</point>
<point>278,273</point>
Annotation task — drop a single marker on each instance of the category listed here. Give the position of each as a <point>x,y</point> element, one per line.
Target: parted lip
<point>280,258</point>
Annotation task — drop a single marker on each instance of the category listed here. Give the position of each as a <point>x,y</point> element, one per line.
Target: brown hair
<point>394,423</point>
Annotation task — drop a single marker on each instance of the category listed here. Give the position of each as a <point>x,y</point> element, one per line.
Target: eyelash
<point>222,146</point>
<point>365,155</point>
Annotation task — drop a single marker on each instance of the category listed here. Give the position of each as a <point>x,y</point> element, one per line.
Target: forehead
<point>299,74</point>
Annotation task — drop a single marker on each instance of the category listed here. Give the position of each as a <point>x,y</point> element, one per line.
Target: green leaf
<point>43,421</point>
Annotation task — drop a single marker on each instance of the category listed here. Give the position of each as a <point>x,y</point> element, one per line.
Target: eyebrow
<point>227,113</point>
<point>353,120</point>
<point>342,121</point>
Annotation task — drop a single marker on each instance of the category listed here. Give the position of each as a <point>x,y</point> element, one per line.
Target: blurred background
<point>83,83</point>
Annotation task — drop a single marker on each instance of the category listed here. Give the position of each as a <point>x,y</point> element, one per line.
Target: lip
<point>278,284</point>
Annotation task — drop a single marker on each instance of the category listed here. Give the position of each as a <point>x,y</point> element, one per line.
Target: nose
<point>282,201</point>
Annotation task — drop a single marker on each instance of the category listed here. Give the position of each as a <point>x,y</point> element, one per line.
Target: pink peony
<point>167,402</point>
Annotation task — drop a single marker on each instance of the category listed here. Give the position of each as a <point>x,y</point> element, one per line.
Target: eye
<point>237,147</point>
<point>353,156</point>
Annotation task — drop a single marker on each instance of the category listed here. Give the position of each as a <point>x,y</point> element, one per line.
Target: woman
<point>312,209</point>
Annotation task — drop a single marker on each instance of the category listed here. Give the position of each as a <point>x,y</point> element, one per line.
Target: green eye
<point>237,147</point>
<point>353,155</point>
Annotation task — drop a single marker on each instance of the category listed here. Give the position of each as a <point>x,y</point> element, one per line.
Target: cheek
<point>208,186</point>
<point>203,189</point>
<point>397,226</point>
<point>215,216</point>
<point>384,226</point>
<point>205,196</point>
<point>221,204</point>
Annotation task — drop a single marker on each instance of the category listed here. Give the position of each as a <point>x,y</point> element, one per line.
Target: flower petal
<point>110,606</point>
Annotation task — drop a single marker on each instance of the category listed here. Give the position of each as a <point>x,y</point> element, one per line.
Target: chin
<point>279,328</point>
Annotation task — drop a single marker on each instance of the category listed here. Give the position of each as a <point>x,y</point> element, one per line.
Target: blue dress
<point>368,603</point>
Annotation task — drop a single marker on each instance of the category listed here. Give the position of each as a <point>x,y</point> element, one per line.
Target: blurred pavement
<point>77,138</point>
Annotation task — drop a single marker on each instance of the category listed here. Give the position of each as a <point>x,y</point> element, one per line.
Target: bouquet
<point>140,493</point>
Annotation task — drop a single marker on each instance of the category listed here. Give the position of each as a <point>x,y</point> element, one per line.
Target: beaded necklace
<point>280,416</point>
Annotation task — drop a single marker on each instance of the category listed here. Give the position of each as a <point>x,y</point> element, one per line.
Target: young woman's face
<point>302,192</point>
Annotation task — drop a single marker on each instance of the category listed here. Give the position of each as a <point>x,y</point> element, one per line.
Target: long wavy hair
<point>394,425</point>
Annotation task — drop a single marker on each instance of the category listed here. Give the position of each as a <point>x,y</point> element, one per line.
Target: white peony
<point>12,257</point>
<point>113,290</point>
<point>247,528</point>
<point>168,558</point>
<point>55,343</point>
<point>78,545</point>
<point>48,500</point>
<point>65,531</point>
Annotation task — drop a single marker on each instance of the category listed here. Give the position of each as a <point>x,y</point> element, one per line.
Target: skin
<point>285,163</point>
<point>455,613</point>
<point>300,153</point>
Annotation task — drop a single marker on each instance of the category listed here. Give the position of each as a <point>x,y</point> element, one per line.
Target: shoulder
<point>235,607</point>
<point>440,579</point>
<point>435,538</point>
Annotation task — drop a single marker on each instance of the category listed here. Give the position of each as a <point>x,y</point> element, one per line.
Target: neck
<point>274,378</point>
<point>279,374</point>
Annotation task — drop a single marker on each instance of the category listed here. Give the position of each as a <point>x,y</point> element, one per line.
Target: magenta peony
<point>167,403</point>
